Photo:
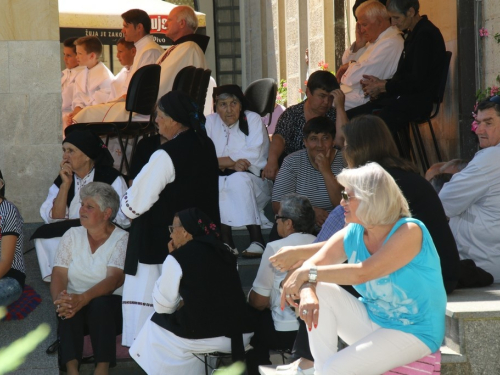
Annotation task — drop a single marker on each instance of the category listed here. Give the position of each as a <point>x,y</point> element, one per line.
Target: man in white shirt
<point>136,29</point>
<point>472,198</point>
<point>379,57</point>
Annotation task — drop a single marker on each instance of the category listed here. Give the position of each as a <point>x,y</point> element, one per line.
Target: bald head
<point>181,21</point>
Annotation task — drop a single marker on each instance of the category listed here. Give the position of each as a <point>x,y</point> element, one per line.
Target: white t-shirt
<point>267,282</point>
<point>84,268</point>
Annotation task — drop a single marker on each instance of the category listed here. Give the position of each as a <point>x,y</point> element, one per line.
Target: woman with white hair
<point>393,323</point>
<point>242,146</point>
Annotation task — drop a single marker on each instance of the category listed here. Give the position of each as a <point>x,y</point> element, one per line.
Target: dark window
<point>227,41</point>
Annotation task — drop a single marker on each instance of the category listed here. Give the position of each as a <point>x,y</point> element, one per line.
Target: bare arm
<point>324,163</point>
<point>276,148</point>
<point>61,201</point>
<point>290,257</point>
<point>8,249</point>
<point>341,117</point>
<point>258,301</point>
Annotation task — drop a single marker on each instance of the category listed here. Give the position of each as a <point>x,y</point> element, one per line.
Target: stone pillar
<point>30,101</point>
<point>276,40</point>
<point>491,55</point>
<point>296,44</point>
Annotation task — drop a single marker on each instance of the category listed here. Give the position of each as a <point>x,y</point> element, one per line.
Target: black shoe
<point>52,349</point>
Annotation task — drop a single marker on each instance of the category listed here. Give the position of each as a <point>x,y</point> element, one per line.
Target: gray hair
<point>187,14</point>
<point>373,9</point>
<point>225,96</point>
<point>381,202</point>
<point>402,6</point>
<point>298,208</point>
<point>104,195</point>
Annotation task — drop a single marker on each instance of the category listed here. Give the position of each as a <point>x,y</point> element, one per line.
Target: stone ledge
<point>475,303</point>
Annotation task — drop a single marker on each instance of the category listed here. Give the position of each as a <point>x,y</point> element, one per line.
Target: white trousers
<point>137,300</point>
<point>46,249</point>
<point>372,349</point>
<point>241,197</point>
<point>159,351</point>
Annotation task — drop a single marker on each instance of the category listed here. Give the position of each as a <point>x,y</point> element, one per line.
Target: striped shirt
<point>11,223</point>
<point>297,175</point>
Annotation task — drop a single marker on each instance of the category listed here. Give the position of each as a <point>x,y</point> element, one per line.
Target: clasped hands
<point>372,86</point>
<point>67,305</point>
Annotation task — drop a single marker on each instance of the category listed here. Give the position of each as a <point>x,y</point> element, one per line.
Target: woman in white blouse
<point>87,280</point>
<point>242,145</point>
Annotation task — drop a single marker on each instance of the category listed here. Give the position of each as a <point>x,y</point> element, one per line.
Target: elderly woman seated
<point>85,159</point>
<point>198,301</point>
<point>277,328</point>
<point>311,172</point>
<point>12,272</point>
<point>388,253</point>
<point>87,279</point>
<point>242,144</point>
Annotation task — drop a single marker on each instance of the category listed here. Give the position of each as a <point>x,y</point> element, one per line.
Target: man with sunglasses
<point>472,198</point>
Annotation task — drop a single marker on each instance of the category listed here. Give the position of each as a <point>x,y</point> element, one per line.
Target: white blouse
<point>84,268</point>
<point>73,211</point>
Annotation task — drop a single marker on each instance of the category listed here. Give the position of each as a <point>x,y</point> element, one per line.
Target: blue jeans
<point>10,291</point>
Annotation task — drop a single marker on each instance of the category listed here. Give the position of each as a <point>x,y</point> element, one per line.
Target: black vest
<point>195,185</point>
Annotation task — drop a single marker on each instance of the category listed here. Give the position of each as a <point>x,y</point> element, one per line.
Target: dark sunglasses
<point>344,196</point>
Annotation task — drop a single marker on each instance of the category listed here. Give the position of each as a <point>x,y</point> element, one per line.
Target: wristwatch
<point>313,274</point>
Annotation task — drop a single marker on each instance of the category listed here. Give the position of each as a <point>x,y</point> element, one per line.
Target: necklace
<point>176,134</point>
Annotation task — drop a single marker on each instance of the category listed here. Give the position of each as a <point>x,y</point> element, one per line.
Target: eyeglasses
<point>495,99</point>
<point>172,227</point>
<point>276,217</point>
<point>345,196</point>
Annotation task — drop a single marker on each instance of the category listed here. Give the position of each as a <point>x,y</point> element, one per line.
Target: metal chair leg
<point>436,147</point>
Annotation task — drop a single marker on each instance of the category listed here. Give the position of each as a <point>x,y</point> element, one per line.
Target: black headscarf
<point>236,91</point>
<point>202,228</point>
<point>91,145</point>
<point>184,110</point>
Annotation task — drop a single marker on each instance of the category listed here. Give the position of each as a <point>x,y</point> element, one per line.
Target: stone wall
<point>491,48</point>
<point>30,101</point>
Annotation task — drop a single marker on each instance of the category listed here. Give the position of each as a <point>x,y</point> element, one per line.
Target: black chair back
<point>184,80</point>
<point>2,185</point>
<point>201,92</point>
<point>261,96</point>
<point>143,90</point>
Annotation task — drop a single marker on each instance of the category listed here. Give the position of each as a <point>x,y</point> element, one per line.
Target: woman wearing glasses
<point>393,323</point>
<point>198,301</point>
<point>277,328</point>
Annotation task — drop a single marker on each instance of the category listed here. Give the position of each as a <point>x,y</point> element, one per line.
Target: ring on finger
<point>304,312</point>
<point>287,296</point>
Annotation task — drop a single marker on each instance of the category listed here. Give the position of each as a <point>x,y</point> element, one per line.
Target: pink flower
<point>474,126</point>
<point>305,82</point>
<point>278,97</point>
<point>494,90</point>
<point>300,91</point>
<point>483,32</point>
<point>284,84</point>
<point>323,65</point>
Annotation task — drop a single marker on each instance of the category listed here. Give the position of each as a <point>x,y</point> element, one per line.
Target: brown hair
<point>90,44</point>
<point>70,42</point>
<point>128,45</point>
<point>368,139</point>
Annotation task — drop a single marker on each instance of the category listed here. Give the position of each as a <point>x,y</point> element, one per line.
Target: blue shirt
<point>411,299</point>
<point>333,223</point>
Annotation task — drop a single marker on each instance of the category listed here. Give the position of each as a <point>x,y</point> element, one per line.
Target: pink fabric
<point>430,364</point>
<point>121,351</point>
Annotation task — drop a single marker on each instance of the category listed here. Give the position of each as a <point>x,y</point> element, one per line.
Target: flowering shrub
<point>281,96</point>
<point>483,32</point>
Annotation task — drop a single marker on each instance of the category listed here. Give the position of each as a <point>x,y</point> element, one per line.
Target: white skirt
<point>46,249</point>
<point>107,112</point>
<point>242,196</point>
<point>137,301</point>
<point>159,351</point>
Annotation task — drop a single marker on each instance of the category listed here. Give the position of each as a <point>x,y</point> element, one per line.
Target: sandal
<point>255,250</point>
